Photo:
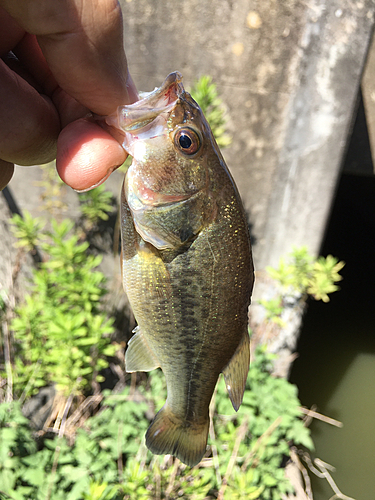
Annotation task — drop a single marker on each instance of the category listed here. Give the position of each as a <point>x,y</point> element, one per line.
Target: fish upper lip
<point>138,115</point>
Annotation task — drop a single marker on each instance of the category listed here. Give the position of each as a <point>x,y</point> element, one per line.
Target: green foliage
<point>304,275</point>
<point>100,491</point>
<point>89,469</point>
<point>240,483</point>
<point>206,95</point>
<point>51,197</point>
<point>27,230</point>
<point>326,274</point>
<point>95,205</point>
<point>109,460</point>
<point>300,275</point>
<point>16,443</point>
<point>144,481</point>
<point>274,309</point>
<point>274,422</point>
<point>61,334</point>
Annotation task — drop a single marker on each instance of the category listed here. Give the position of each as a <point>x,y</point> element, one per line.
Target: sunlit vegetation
<point>90,443</point>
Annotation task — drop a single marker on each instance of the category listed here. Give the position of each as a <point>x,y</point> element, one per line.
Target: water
<point>336,366</point>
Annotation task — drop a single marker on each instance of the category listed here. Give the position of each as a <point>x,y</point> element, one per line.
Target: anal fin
<point>138,356</point>
<point>235,373</point>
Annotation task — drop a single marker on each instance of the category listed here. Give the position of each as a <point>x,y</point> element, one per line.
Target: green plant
<point>61,334</point>
<point>89,469</point>
<point>52,190</point>
<point>241,482</point>
<point>325,275</point>
<point>109,461</point>
<point>100,491</point>
<point>95,205</point>
<point>60,331</point>
<point>27,230</point>
<point>274,309</point>
<point>303,274</point>
<point>16,443</point>
<point>271,421</point>
<point>299,276</point>
<point>206,95</point>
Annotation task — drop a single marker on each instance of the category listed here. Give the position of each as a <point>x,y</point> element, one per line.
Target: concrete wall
<point>368,91</point>
<point>289,73</point>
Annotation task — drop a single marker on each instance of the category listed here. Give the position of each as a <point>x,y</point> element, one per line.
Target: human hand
<point>69,62</point>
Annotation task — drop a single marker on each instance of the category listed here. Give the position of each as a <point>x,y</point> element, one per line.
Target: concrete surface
<point>288,73</point>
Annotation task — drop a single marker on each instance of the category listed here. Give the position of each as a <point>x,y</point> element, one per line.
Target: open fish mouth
<point>141,197</point>
<point>147,118</point>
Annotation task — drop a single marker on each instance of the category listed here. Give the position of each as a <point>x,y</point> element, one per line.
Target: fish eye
<point>187,141</point>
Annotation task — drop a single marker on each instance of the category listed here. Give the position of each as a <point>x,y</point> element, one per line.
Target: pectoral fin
<point>138,356</point>
<point>235,373</point>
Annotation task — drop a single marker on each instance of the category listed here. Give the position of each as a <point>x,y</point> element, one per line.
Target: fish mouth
<point>140,197</point>
<point>147,118</point>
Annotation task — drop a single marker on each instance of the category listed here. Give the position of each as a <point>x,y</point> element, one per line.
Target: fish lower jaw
<point>140,197</point>
<point>147,197</point>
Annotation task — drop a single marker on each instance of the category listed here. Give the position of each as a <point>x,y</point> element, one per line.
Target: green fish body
<point>186,264</point>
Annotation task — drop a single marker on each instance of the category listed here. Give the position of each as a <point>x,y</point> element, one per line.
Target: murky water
<point>336,367</point>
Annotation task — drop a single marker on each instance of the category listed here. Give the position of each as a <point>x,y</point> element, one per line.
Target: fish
<point>187,265</point>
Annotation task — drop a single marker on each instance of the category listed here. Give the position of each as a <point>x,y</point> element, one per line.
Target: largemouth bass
<point>186,264</point>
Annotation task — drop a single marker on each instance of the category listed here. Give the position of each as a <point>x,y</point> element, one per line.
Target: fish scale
<point>186,264</point>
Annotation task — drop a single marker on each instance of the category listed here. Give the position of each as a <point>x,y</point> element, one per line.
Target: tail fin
<point>169,434</point>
